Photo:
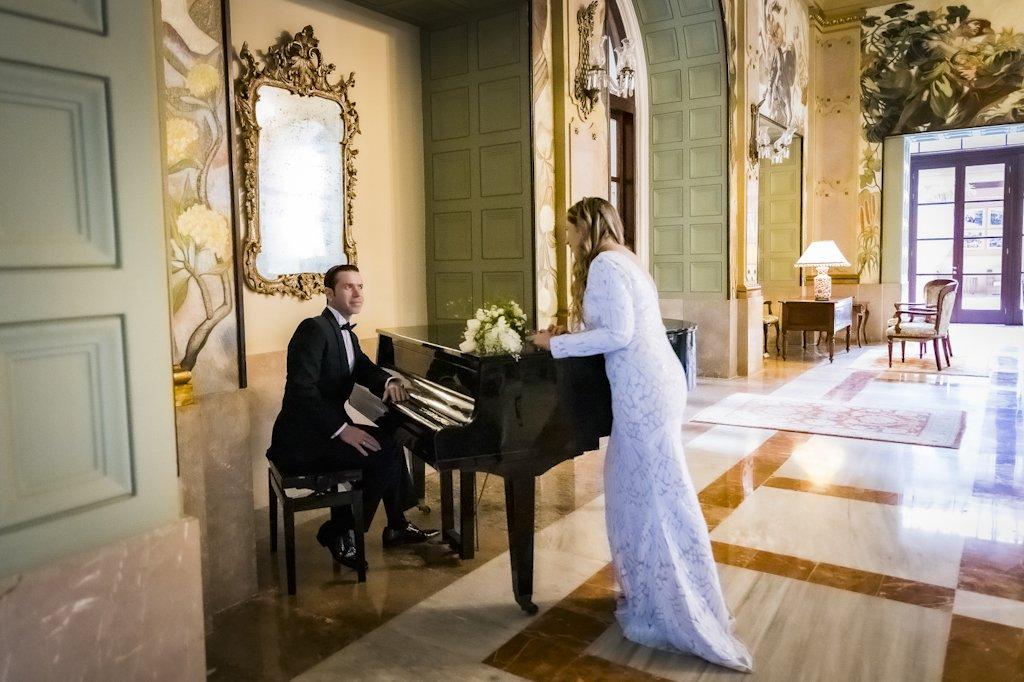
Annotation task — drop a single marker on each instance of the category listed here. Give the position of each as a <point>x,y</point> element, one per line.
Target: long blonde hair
<point>597,220</point>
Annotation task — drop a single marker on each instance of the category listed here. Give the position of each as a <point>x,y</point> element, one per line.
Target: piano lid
<point>447,337</point>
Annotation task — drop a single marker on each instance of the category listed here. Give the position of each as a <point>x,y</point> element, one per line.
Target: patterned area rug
<point>961,365</point>
<point>939,428</point>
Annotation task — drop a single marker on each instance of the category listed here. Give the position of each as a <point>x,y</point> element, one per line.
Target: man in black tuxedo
<point>313,432</point>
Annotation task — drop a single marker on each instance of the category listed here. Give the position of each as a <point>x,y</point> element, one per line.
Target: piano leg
<point>419,482</point>
<point>519,508</point>
<point>447,505</point>
<point>467,514</point>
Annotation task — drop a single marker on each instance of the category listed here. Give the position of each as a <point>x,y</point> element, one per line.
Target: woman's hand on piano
<point>542,339</point>
<point>395,392</point>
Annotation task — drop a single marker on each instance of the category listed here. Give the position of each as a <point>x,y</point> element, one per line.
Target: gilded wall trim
<point>835,22</point>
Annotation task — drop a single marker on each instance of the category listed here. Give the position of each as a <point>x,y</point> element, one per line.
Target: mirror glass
<point>301,183</point>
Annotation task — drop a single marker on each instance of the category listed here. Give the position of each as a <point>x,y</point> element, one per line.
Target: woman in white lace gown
<point>660,547</point>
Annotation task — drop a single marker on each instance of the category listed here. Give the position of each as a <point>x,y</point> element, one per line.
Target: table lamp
<point>820,255</point>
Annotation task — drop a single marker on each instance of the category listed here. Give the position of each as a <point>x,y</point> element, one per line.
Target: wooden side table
<point>808,315</point>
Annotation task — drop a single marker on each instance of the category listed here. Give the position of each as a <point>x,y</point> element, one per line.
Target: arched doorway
<point>680,116</point>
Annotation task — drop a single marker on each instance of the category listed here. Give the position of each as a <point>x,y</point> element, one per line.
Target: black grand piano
<point>471,413</point>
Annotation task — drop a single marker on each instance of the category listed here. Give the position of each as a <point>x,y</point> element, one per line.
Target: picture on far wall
<point>973,217</point>
<point>935,66</point>
<point>784,67</point>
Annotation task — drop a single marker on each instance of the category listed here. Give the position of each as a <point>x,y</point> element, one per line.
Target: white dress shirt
<point>346,336</point>
<point>350,353</point>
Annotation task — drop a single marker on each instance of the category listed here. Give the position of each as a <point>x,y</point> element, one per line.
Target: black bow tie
<point>347,327</point>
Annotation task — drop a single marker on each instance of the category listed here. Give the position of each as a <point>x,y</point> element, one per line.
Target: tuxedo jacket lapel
<point>339,343</point>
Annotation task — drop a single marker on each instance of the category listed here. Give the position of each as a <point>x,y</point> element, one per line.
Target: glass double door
<point>965,224</point>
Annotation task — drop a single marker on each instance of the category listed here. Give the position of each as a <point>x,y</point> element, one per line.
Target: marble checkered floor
<point>841,559</point>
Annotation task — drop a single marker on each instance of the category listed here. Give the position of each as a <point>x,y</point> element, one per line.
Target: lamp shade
<point>822,253</point>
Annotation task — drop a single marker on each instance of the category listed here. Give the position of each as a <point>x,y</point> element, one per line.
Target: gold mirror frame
<point>294,64</point>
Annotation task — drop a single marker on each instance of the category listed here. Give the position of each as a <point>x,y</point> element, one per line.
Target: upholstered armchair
<point>923,323</point>
<point>926,312</point>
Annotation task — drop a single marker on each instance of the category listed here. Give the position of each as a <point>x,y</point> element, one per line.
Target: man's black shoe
<point>342,548</point>
<point>409,535</point>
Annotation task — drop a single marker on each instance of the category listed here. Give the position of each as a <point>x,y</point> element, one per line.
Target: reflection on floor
<point>841,559</point>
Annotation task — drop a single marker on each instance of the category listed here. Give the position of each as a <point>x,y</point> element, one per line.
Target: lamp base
<point>822,284</point>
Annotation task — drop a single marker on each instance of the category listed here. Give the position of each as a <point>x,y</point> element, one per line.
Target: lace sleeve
<point>609,309</point>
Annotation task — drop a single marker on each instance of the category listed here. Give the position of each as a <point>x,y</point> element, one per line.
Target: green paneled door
<point>685,51</point>
<point>778,238</point>
<point>476,97</point>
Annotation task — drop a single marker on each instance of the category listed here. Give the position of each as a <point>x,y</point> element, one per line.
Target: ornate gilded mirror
<point>298,170</point>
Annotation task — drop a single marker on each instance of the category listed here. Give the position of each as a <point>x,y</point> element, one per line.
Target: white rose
<point>473,325</point>
<point>511,342</point>
<point>480,315</point>
<point>467,346</point>
<point>491,341</point>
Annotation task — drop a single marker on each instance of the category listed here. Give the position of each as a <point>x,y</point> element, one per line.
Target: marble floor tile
<point>873,465</point>
<point>863,535</point>
<point>994,568</point>
<point>473,616</point>
<point>797,630</point>
<point>981,650</point>
<point>1007,612</point>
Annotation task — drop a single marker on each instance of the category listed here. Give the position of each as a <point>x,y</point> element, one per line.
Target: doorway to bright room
<point>966,211</point>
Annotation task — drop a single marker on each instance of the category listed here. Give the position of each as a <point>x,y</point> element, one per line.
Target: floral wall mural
<point>546,268</point>
<point>198,195</point>
<point>932,66</point>
<point>943,68</point>
<point>784,62</point>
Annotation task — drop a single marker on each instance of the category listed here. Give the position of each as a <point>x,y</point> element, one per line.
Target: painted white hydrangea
<point>181,138</point>
<point>207,227</point>
<point>202,80</point>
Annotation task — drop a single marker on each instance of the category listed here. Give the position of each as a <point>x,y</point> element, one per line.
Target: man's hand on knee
<point>359,439</point>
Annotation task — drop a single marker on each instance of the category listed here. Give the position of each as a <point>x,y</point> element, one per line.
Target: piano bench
<point>327,492</point>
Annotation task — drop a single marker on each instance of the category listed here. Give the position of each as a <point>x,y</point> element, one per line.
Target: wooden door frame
<point>1013,213</point>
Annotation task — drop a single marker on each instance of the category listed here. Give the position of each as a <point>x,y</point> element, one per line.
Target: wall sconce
<point>594,73</point>
<point>761,145</point>
<point>776,150</point>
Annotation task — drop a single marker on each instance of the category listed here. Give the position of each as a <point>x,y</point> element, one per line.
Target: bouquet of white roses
<point>497,329</point>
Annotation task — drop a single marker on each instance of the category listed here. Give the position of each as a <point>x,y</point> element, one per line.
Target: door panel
<point>86,418</point>
<point>779,205</point>
<point>964,226</point>
<point>980,251</point>
<point>479,203</point>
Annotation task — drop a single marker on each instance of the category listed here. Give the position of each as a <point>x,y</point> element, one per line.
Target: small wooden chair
<point>770,319</point>
<point>328,491</point>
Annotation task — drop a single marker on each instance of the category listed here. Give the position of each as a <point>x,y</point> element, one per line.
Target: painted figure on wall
<point>198,195</point>
<point>784,71</point>
<point>938,69</point>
